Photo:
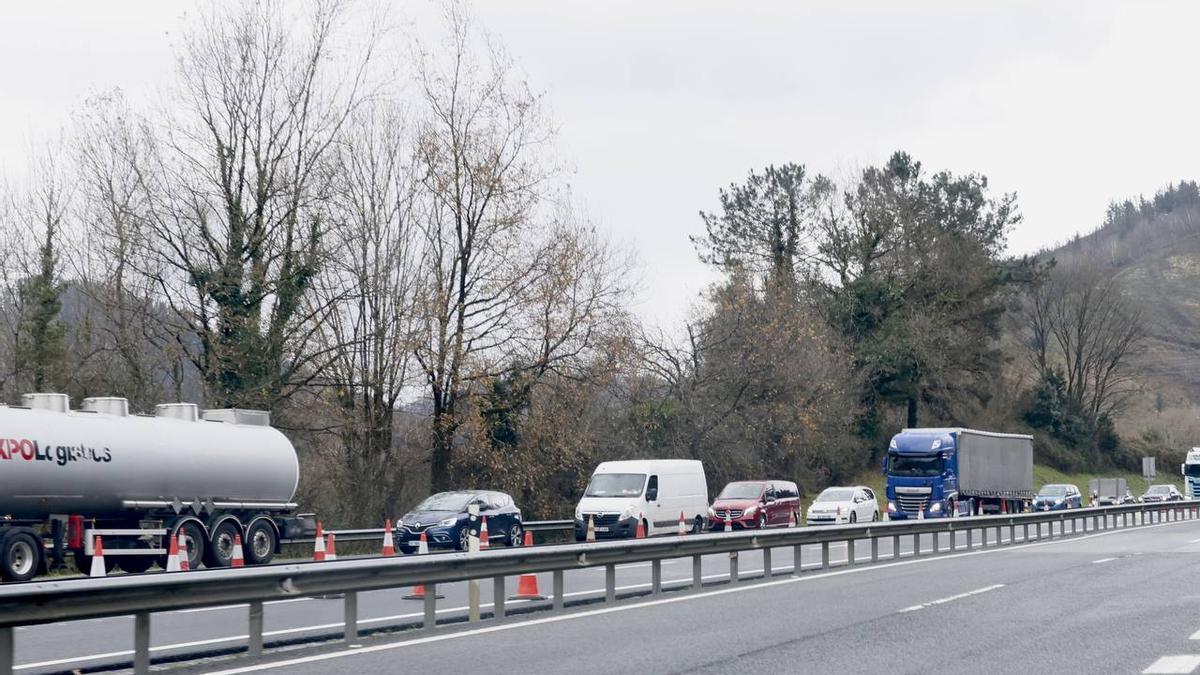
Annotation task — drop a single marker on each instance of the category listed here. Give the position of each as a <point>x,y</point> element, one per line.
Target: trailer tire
<point>196,540</point>
<point>20,556</point>
<point>219,551</point>
<point>261,542</point>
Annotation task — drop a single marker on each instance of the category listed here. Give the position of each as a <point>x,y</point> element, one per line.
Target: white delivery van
<point>653,492</point>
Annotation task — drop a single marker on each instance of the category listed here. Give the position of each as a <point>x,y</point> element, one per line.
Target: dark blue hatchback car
<point>1055,496</point>
<point>444,519</point>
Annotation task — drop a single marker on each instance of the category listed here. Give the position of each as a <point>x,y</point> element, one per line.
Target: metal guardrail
<point>376,533</point>
<point>140,595</point>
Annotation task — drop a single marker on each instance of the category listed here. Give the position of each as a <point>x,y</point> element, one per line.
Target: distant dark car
<point>755,504</point>
<point>1162,493</point>
<point>444,519</point>
<point>1057,496</point>
<point>1112,500</point>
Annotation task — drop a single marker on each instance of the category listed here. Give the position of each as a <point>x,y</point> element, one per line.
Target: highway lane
<point>1115,601</point>
<point>109,640</point>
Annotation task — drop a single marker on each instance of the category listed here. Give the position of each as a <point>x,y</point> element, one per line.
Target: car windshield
<point>446,501</point>
<point>616,485</point>
<point>836,495</point>
<point>1192,470</point>
<point>741,491</point>
<point>915,465</point>
<point>1159,490</point>
<point>1053,491</point>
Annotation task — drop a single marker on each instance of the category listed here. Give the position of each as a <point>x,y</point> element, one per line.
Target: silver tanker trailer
<point>67,476</point>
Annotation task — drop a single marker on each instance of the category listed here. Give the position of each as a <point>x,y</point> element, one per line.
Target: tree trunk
<point>912,412</point>
<point>443,439</point>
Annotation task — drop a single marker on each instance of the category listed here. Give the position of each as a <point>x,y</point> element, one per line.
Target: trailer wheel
<point>20,556</point>
<point>260,542</point>
<point>219,552</point>
<point>193,534</point>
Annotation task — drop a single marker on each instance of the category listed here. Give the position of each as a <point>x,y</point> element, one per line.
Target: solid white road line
<point>1184,663</point>
<point>1102,560</point>
<point>952,598</point>
<point>316,658</point>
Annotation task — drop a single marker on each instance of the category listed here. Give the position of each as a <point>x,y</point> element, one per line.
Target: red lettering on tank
<point>4,448</point>
<point>26,449</point>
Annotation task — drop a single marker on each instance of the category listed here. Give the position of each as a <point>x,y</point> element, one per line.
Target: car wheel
<point>874,516</point>
<point>697,525</point>
<point>464,538</point>
<point>515,535</point>
<point>762,521</point>
<point>853,517</point>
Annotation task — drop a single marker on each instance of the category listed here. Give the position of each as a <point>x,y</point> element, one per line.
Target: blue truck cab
<point>933,473</point>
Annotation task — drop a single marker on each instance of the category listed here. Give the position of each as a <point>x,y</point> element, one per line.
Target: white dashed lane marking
<point>952,598</point>
<point>1185,663</point>
<point>1102,560</point>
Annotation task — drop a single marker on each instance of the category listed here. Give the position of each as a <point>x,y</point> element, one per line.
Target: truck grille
<point>914,503</point>
<point>732,513</point>
<point>602,519</point>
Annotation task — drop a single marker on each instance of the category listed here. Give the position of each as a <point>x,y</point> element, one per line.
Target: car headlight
<point>449,521</point>
<point>937,506</point>
<point>891,507</point>
<point>578,513</point>
<point>399,522</point>
<point>750,511</point>
<point>711,513</point>
<point>628,512</point>
<point>1058,501</point>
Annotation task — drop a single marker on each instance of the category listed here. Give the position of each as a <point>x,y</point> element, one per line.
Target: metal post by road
<point>850,552</point>
<point>983,537</point>
<point>766,563</point>
<point>7,660</point>
<point>733,567</point>
<point>1012,533</point>
<point>824,555</point>
<point>936,537</point>
<point>141,643</point>
<point>874,549</point>
<point>697,573</point>
<point>498,596</point>
<point>953,540</point>
<point>916,544</point>
<point>255,644</point>
<point>610,583</point>
<point>1025,536</point>
<point>797,560</point>
<point>656,576</point>
<point>350,605</point>
<point>559,594</point>
<point>430,606</point>
<point>969,539</point>
<point>473,547</point>
<point>895,546</point>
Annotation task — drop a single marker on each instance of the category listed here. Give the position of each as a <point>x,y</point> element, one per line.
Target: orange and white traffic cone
<point>418,591</point>
<point>838,517</point>
<point>484,537</point>
<point>639,533</point>
<point>173,554</point>
<point>1004,506</point>
<point>389,544</point>
<point>319,543</point>
<point>527,584</point>
<point>682,524</point>
<point>185,564</point>
<point>330,547</point>
<point>98,568</point>
<point>591,528</point>
<point>239,558</point>
<point>921,512</point>
<point>791,518</point>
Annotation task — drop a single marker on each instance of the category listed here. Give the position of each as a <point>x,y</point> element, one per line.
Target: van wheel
<point>697,525</point>
<point>853,517</point>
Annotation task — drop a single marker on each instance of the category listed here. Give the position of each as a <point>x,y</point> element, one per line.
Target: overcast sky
<point>660,103</point>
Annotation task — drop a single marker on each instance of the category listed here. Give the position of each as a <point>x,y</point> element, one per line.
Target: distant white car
<point>841,505</point>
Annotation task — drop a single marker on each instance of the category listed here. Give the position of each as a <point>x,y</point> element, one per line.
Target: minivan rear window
<point>616,485</point>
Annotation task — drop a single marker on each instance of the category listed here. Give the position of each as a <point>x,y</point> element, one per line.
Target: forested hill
<point>1153,247</point>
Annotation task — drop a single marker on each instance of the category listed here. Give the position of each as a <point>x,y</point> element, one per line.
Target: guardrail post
<point>916,544</point>
<point>733,567</point>
<point>969,536</point>
<point>824,555</point>
<point>559,593</point>
<point>999,534</point>
<point>430,606</point>
<point>766,563</point>
<point>850,552</point>
<point>697,573</point>
<point>610,583</point>
<point>895,546</point>
<point>7,656</point>
<point>1095,523</point>
<point>797,560</point>
<point>498,596</point>
<point>874,549</point>
<point>141,643</point>
<point>350,607</point>
<point>983,537</point>
<point>656,576</point>
<point>255,645</point>
<point>1012,532</point>
<point>1025,533</point>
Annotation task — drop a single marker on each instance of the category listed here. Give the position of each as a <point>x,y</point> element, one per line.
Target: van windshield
<point>616,485</point>
<point>741,491</point>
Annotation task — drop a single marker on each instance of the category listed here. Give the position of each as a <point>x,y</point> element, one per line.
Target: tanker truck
<point>70,476</point>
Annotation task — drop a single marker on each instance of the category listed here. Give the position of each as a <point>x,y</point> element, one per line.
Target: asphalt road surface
<point>1115,601</point>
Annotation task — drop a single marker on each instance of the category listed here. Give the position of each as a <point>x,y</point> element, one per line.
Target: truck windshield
<point>616,485</point>
<point>915,465</point>
<point>1192,470</point>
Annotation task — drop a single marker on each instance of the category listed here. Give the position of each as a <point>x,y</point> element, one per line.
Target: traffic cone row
<point>238,559</point>
<point>319,544</point>
<point>527,584</point>
<point>484,537</point>
<point>330,547</point>
<point>418,591</point>
<point>173,554</point>
<point>639,533</point>
<point>184,565</point>
<point>591,528</point>
<point>682,524</point>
